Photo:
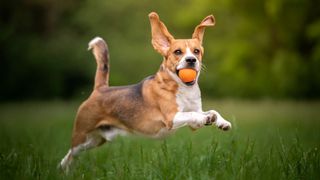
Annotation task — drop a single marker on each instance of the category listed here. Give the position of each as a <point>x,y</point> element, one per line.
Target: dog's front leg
<point>193,119</point>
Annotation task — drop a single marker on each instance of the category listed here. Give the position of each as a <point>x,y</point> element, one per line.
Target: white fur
<point>109,135</point>
<point>94,41</point>
<point>189,98</point>
<point>66,161</point>
<point>193,119</point>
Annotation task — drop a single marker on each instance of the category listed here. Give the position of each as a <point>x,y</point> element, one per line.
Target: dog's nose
<point>191,60</point>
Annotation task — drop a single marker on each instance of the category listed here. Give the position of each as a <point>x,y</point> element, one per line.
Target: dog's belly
<point>146,122</point>
<point>154,128</point>
<point>163,132</point>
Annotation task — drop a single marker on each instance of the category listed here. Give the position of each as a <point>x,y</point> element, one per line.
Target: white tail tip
<point>94,41</point>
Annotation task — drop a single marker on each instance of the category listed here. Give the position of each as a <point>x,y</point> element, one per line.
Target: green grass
<point>269,140</point>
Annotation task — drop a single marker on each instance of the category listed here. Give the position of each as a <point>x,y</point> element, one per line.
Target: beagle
<point>156,106</point>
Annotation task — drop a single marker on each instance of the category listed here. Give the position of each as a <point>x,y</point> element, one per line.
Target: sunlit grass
<point>269,140</point>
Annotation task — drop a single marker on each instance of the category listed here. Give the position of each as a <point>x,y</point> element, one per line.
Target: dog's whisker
<point>203,67</point>
<point>176,64</point>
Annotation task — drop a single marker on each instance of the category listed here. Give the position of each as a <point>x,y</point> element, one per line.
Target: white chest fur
<point>189,98</point>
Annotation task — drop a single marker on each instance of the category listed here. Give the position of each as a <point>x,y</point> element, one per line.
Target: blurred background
<point>258,49</point>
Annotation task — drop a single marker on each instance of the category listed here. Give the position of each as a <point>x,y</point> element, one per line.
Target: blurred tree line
<point>258,49</point>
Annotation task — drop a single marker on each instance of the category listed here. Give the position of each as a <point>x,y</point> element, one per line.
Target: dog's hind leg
<point>84,142</point>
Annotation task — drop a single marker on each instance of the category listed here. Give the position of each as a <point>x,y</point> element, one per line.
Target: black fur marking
<point>134,90</point>
<point>135,93</point>
<point>105,68</point>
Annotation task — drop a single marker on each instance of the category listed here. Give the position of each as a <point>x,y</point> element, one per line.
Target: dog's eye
<point>196,51</point>
<point>177,52</point>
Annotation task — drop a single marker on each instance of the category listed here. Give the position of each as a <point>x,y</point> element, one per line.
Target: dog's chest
<point>188,98</point>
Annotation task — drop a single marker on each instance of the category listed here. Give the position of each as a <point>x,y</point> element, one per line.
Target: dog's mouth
<point>188,82</point>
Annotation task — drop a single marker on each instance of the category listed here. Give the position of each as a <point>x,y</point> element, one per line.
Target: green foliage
<point>269,140</point>
<point>257,48</point>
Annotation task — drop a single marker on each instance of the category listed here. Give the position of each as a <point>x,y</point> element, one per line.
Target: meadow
<point>269,140</point>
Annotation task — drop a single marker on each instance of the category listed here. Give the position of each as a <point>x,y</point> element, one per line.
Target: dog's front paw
<point>211,117</point>
<point>200,119</point>
<point>224,125</point>
<point>218,120</point>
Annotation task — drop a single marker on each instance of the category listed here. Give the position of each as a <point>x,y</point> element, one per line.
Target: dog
<point>156,106</point>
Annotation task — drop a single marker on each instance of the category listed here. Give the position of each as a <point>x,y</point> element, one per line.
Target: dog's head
<point>179,53</point>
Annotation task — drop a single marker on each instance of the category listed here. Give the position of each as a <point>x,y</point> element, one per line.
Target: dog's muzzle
<point>189,62</point>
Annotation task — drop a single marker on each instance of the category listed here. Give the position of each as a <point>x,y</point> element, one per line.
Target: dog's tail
<point>101,53</point>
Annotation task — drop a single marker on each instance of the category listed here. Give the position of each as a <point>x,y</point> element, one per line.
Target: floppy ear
<point>161,38</point>
<point>199,30</point>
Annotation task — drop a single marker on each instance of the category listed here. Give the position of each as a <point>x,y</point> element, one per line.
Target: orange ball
<point>187,75</point>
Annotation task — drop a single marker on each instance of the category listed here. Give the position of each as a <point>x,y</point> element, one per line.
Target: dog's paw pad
<point>225,126</point>
<point>211,117</point>
<point>214,118</point>
<point>208,121</point>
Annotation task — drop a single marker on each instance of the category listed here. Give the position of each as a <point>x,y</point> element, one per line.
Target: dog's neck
<point>164,80</point>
